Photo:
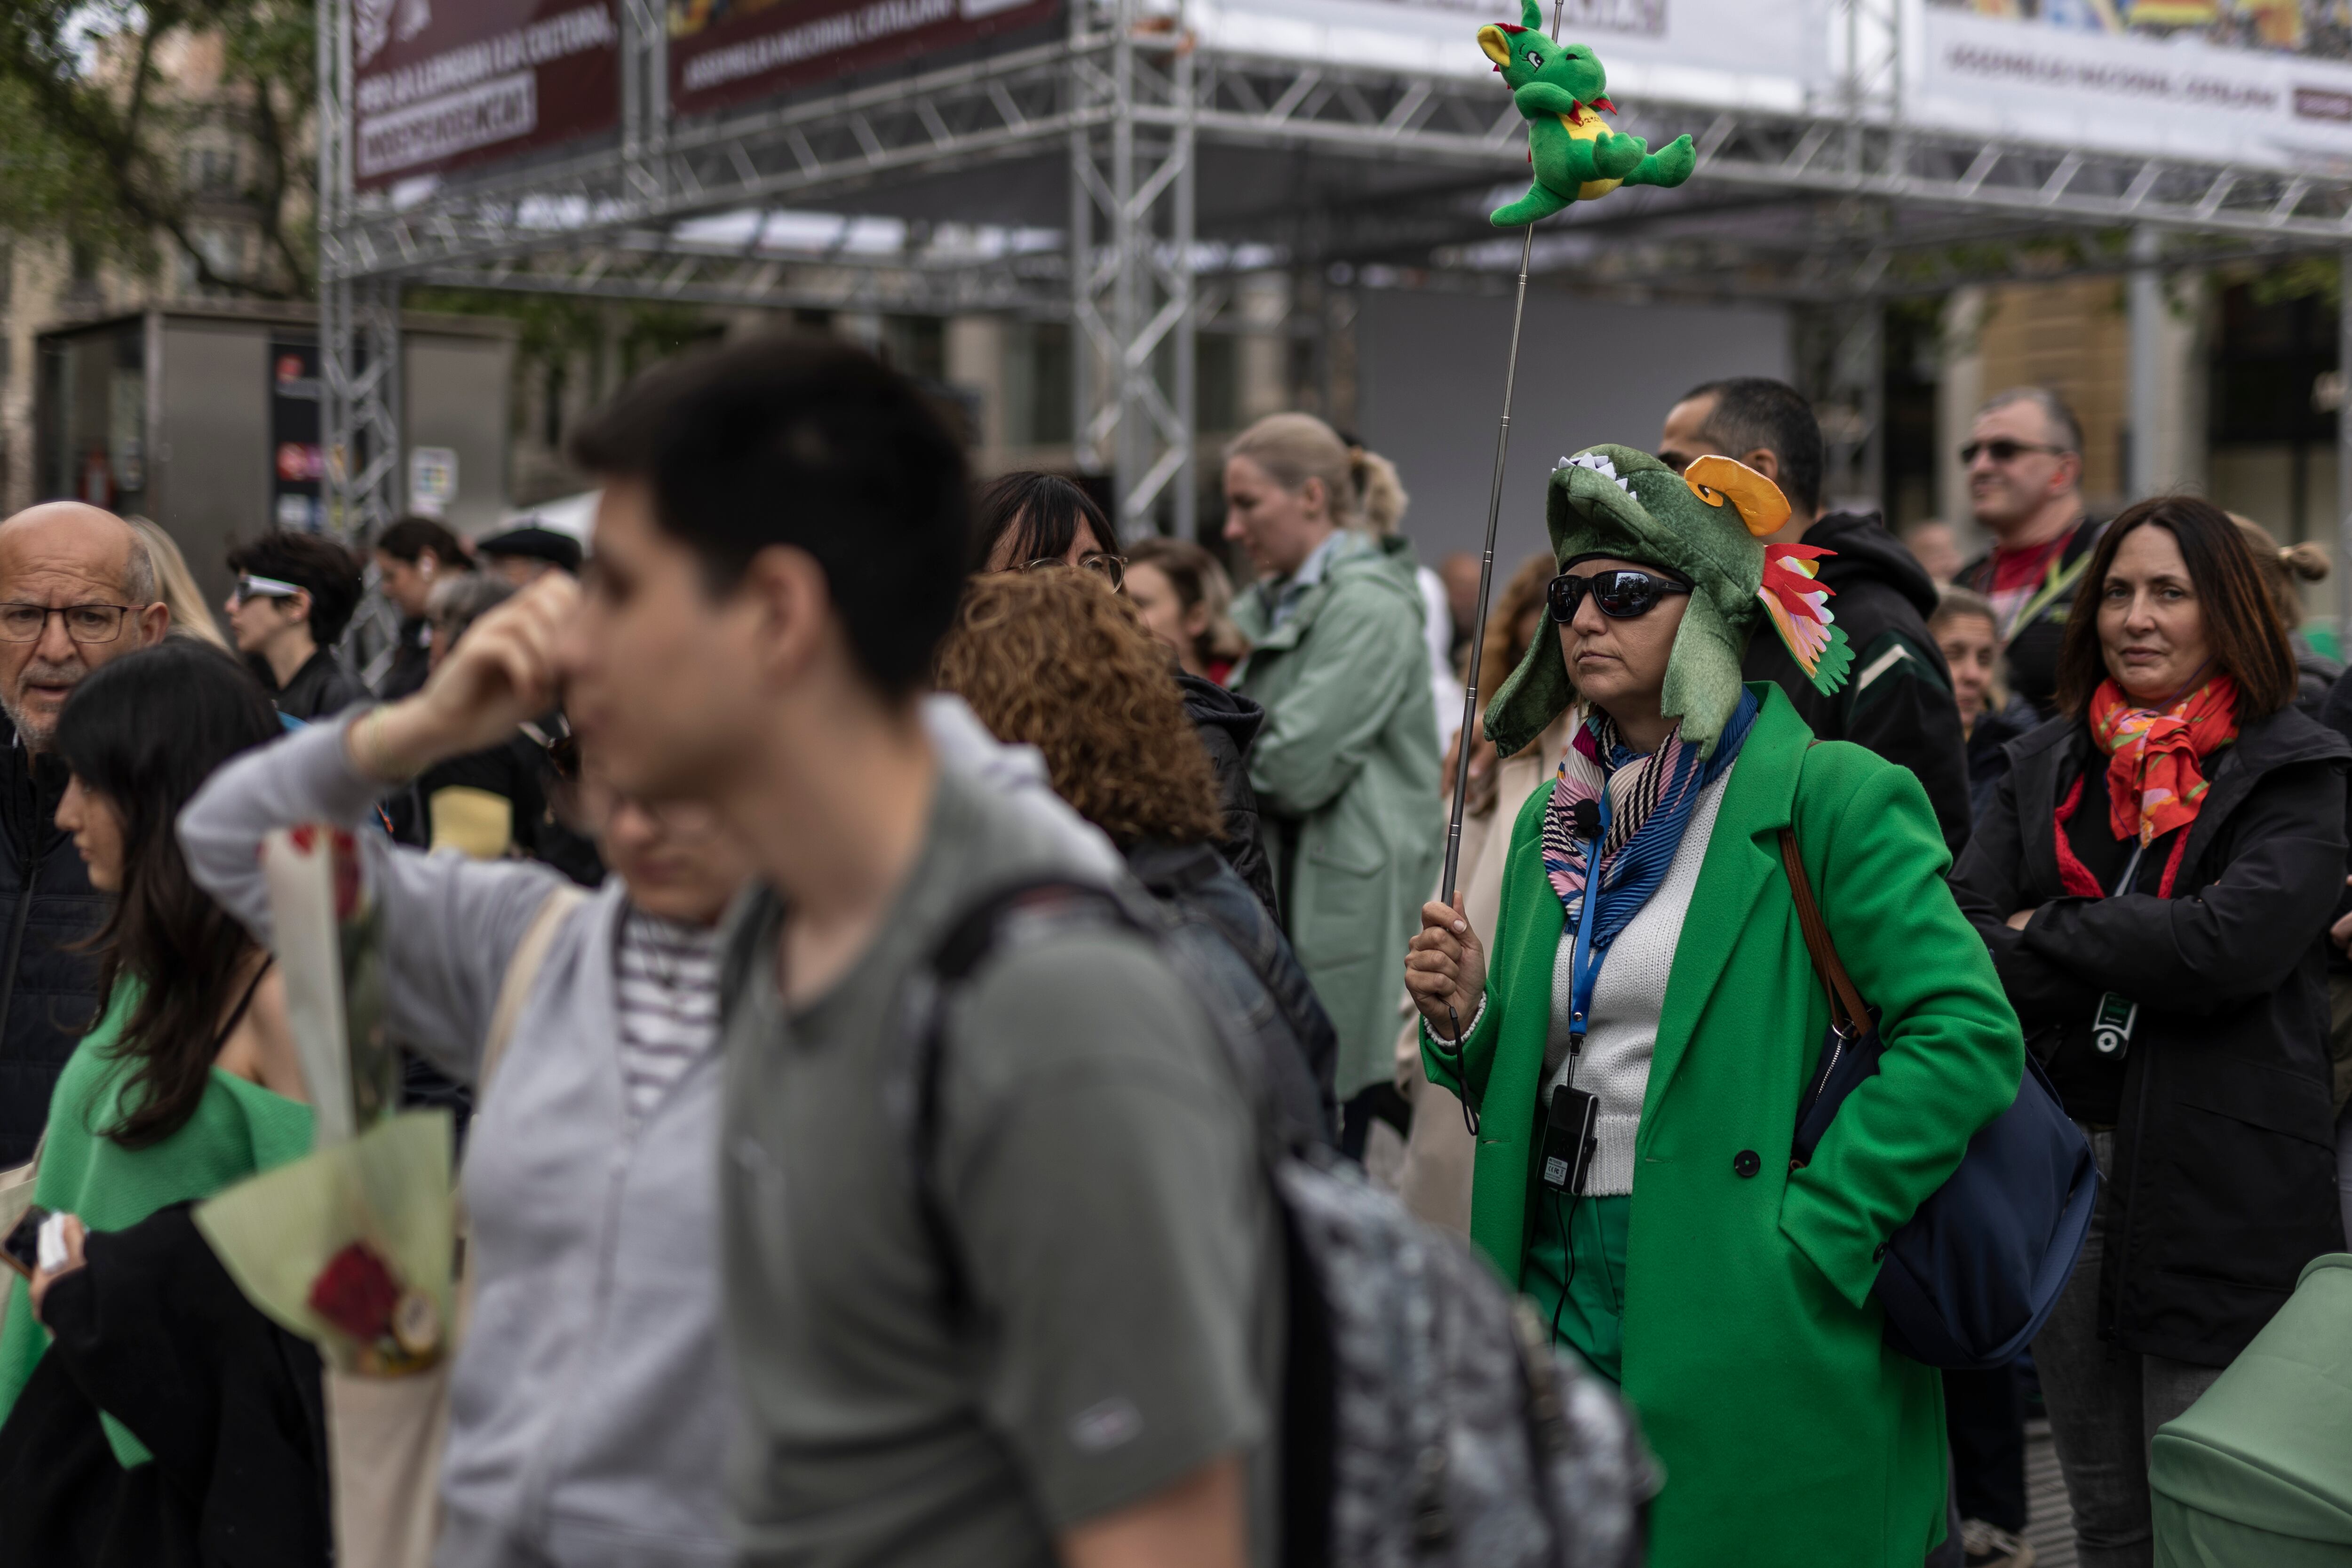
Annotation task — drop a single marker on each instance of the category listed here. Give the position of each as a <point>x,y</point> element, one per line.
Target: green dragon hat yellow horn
<point>1706,525</point>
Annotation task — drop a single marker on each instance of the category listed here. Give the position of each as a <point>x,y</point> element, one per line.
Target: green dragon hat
<point>1704,525</point>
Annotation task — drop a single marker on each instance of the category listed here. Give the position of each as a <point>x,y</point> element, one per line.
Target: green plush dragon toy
<point>1560,88</point>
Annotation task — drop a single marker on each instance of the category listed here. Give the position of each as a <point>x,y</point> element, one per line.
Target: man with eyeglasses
<point>1899,702</point>
<point>2024,459</point>
<point>77,589</point>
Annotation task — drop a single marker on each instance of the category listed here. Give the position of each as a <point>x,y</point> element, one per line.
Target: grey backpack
<point>1425,1420</point>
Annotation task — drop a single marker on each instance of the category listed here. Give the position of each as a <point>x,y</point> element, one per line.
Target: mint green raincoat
<point>1345,773</point>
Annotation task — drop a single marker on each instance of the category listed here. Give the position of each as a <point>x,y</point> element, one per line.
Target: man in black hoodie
<point>1899,701</point>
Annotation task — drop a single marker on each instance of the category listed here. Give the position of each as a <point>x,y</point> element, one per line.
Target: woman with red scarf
<point>2154,878</point>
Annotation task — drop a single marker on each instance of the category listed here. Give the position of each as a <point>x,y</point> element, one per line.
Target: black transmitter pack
<point>1570,1139</point>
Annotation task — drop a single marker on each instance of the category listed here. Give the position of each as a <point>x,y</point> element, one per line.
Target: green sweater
<point>1790,1435</point>
<point>239,1128</point>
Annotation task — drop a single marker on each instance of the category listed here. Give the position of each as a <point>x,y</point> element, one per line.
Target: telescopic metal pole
<point>1464,739</point>
<point>1486,584</point>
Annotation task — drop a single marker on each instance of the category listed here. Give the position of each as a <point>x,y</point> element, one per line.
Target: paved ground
<point>2051,1528</point>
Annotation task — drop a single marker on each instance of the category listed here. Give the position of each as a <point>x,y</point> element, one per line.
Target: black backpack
<point>1426,1418</point>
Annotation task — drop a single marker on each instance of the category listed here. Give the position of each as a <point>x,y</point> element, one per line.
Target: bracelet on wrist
<point>370,752</point>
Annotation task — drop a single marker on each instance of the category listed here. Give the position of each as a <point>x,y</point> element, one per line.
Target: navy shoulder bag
<point>1971,1278</point>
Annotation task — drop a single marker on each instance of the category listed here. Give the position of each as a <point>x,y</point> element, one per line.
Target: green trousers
<point>1575,1274</point>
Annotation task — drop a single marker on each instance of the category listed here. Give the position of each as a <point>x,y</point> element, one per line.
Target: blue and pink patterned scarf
<point>1650,804</point>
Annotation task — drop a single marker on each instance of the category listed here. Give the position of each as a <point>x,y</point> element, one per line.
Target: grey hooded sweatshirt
<point>588,1409</point>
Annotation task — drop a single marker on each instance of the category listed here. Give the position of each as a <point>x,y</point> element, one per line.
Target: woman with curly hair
<point>1056,660</point>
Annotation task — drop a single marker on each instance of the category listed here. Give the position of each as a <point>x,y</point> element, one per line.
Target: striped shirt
<point>667,994</point>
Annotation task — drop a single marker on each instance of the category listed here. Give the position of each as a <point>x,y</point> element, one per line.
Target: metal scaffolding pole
<point>2147,295</point>
<point>359,321</point>
<point>1133,302</point>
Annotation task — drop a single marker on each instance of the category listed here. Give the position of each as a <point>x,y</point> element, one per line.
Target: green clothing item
<point>1791,1436</point>
<point>239,1128</point>
<point>1096,1160</point>
<point>1346,774</point>
<point>1578,1281</point>
<point>2260,1469</point>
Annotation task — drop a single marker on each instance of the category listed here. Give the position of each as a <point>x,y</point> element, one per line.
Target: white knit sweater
<point>1627,1001</point>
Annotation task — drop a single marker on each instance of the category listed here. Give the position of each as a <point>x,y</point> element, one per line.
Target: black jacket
<point>412,660</point>
<point>2315,676</point>
<point>2225,1154</point>
<point>1898,700</point>
<point>1228,723</point>
<point>1268,998</point>
<point>155,1334</point>
<point>1989,751</point>
<point>2031,650</point>
<point>321,686</point>
<point>48,992</point>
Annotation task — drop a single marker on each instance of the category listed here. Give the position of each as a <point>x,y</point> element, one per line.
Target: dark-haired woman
<point>411,556</point>
<point>1027,521</point>
<point>2153,879</point>
<point>148,1408</point>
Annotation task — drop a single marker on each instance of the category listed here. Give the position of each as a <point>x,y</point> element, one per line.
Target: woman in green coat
<point>1678,1251</point>
<point>1346,768</point>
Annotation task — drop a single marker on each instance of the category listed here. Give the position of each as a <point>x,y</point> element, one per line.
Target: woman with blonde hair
<point>2282,568</point>
<point>177,585</point>
<point>1346,768</point>
<point>1185,599</point>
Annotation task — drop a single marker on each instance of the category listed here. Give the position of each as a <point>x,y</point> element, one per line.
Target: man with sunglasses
<point>1899,703</point>
<point>295,594</point>
<point>77,589</point>
<point>2024,461</point>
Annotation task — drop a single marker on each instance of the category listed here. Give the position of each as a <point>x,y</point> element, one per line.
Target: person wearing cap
<point>1648,966</point>
<point>295,594</point>
<point>524,555</point>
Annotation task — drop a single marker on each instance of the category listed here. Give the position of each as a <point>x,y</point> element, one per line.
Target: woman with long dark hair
<point>152,1365</point>
<point>2154,877</point>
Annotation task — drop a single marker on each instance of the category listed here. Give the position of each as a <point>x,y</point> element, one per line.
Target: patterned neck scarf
<point>2154,782</point>
<point>1650,804</point>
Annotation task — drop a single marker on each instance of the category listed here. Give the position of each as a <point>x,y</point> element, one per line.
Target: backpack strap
<point>1847,1009</point>
<point>1011,915</point>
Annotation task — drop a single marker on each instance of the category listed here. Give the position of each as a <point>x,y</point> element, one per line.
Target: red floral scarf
<point>2153,781</point>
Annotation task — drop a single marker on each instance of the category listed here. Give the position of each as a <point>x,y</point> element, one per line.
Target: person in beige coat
<point>1434,1179</point>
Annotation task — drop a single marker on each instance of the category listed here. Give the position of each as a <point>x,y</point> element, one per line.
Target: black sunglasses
<point>2001,449</point>
<point>1623,595</point>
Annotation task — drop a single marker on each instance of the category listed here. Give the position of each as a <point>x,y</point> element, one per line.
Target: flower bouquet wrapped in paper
<point>351,1247</point>
<point>330,933</point>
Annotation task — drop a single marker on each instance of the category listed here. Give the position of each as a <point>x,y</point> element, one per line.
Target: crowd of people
<point>810,1220</point>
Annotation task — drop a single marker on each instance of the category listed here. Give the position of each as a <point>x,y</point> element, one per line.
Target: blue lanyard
<point>1586,963</point>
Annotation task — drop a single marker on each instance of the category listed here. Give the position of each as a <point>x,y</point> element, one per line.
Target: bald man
<point>77,589</point>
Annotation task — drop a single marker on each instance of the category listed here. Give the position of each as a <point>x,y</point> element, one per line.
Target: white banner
<point>1752,54</point>
<point>2183,96</point>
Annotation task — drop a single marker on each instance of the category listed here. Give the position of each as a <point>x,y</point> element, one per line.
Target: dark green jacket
<point>1790,1435</point>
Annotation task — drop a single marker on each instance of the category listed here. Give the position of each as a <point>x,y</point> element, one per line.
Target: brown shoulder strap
<point>1846,1006</point>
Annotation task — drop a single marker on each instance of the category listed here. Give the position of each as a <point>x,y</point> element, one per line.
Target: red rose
<point>356,1292</point>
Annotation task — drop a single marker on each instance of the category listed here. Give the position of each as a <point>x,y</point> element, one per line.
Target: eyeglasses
<point>589,810</point>
<point>2001,449</point>
<point>1111,569</point>
<point>84,623</point>
<point>1622,595</point>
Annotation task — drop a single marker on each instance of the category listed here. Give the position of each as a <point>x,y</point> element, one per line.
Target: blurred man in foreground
<point>779,547</point>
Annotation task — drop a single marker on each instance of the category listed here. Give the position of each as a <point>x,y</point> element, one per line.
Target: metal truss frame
<point>1128,102</point>
<point>358,325</point>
